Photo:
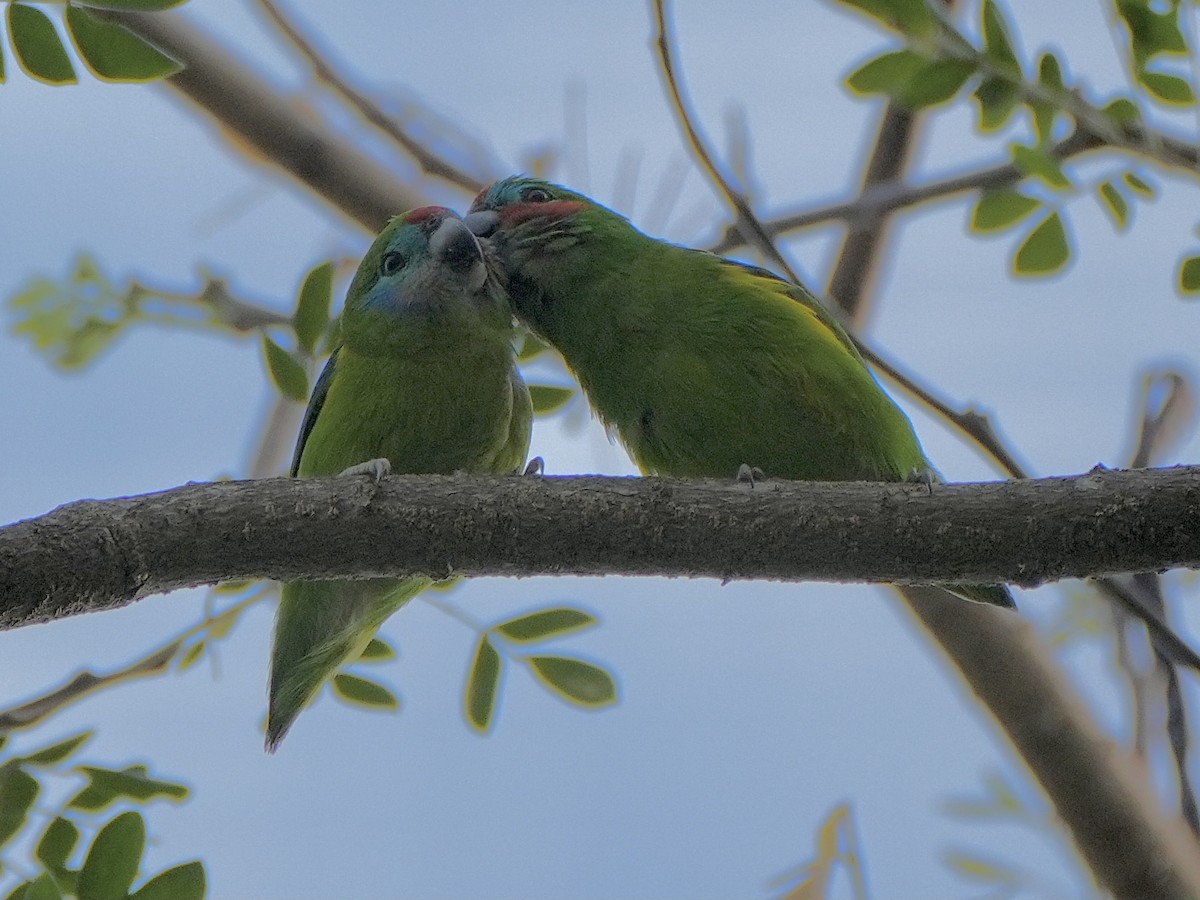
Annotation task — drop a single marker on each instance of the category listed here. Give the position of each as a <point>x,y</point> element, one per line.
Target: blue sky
<point>747,711</point>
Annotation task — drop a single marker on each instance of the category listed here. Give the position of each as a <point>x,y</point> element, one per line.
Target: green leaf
<point>1002,208</point>
<point>938,82</point>
<point>997,99</point>
<point>232,587</point>
<point>1136,183</point>
<point>37,47</point>
<point>57,752</point>
<point>1035,161</point>
<point>108,785</point>
<point>142,5</point>
<point>185,882</point>
<point>113,52</point>
<point>1050,72</point>
<point>1116,205</point>
<point>312,306</point>
<point>1045,249</point>
<point>976,869</point>
<point>18,791</point>
<point>547,398</point>
<point>887,74</point>
<point>42,888</point>
<point>57,844</point>
<point>1,64</point>
<point>1151,32</point>
<point>575,680</point>
<point>286,371</point>
<point>1123,111</point>
<point>192,655</point>
<point>545,623</point>
<point>362,692</point>
<point>530,347</point>
<point>912,17</point>
<point>1189,275</point>
<point>377,651</point>
<point>113,860</point>
<point>1168,88</point>
<point>997,44</point>
<point>483,685</point>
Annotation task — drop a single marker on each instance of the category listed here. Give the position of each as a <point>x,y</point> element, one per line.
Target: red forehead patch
<point>553,210</point>
<point>425,213</point>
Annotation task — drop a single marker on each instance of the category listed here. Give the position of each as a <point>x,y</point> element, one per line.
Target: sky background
<point>748,711</point>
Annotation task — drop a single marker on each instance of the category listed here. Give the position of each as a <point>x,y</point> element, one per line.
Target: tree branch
<point>279,132</point>
<point>324,71</point>
<point>1135,850</point>
<point>101,554</point>
<point>895,195</point>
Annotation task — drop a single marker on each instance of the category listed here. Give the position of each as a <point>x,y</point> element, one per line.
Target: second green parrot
<point>423,381</point>
<point>701,364</point>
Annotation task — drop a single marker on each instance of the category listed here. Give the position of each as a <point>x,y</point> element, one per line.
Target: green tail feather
<point>322,625</point>
<point>994,594</point>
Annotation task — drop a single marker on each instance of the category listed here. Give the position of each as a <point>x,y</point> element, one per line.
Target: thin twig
<point>972,424</point>
<point>891,196</point>
<point>430,162</point>
<point>747,222</point>
<point>157,661</point>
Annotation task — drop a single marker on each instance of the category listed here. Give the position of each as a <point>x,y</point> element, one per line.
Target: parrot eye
<point>536,195</point>
<point>391,263</point>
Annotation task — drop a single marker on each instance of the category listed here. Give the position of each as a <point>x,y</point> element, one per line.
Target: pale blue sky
<point>748,711</point>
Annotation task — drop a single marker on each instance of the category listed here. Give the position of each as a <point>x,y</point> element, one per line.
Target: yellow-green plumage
<point>700,364</point>
<point>425,377</point>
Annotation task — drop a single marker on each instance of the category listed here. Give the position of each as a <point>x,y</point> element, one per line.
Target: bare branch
<point>892,196</point>
<point>747,222</point>
<point>100,554</point>
<point>429,161</point>
<point>1131,846</point>
<point>280,133</point>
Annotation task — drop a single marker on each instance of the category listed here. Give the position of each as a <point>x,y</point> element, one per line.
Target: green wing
<point>315,402</point>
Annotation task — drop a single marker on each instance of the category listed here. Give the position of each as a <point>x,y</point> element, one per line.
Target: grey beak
<point>454,245</point>
<point>483,223</point>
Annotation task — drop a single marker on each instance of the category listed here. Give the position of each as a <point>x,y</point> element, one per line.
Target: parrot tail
<point>322,625</point>
<point>994,594</point>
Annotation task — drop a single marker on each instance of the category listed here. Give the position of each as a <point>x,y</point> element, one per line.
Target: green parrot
<point>703,366</point>
<point>423,381</point>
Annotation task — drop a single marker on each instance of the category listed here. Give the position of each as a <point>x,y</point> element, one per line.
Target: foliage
<point>108,50</point>
<point>76,849</point>
<point>941,62</point>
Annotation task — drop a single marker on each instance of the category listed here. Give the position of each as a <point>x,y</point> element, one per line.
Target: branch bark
<point>94,555</point>
<point>1134,849</point>
<point>278,131</point>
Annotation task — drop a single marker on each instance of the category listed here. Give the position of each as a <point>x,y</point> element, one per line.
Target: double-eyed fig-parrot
<point>424,380</point>
<point>702,365</point>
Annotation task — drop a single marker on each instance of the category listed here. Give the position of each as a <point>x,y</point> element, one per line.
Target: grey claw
<point>921,476</point>
<point>749,475</point>
<point>378,469</point>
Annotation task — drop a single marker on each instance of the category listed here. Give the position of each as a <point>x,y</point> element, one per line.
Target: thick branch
<point>1135,850</point>
<point>101,554</point>
<point>280,132</point>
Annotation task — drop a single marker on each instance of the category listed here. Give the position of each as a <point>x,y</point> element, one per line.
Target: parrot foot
<point>376,468</point>
<point>749,475</point>
<point>536,466</point>
<point>921,476</point>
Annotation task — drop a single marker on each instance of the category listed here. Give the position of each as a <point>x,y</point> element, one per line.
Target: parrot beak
<point>454,245</point>
<point>483,223</point>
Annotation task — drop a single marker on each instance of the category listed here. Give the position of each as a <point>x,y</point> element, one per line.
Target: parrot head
<point>540,233</point>
<point>426,268</point>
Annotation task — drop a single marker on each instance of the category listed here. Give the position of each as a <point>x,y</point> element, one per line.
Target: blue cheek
<point>384,296</point>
